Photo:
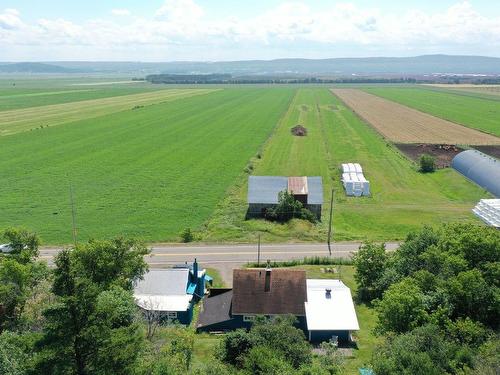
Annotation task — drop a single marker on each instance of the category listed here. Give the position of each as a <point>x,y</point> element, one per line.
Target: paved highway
<point>227,257</point>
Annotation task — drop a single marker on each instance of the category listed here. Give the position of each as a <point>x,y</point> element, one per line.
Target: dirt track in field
<point>402,124</point>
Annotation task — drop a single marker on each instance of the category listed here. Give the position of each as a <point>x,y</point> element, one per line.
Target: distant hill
<point>34,67</point>
<point>398,66</point>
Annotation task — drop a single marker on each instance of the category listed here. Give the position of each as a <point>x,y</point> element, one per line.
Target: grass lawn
<point>402,198</point>
<point>149,172</point>
<point>476,112</point>
<point>218,282</point>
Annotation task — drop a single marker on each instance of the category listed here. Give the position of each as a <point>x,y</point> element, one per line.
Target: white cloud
<point>120,12</point>
<point>181,29</point>
<point>10,20</point>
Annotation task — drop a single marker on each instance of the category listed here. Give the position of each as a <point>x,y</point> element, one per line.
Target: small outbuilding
<point>263,192</point>
<point>482,169</point>
<point>171,292</point>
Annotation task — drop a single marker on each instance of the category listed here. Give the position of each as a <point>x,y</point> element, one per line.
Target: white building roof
<point>163,303</point>
<point>171,281</point>
<point>333,313</point>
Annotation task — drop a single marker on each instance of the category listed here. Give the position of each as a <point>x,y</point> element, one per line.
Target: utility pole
<point>258,251</point>
<point>330,225</point>
<point>73,213</point>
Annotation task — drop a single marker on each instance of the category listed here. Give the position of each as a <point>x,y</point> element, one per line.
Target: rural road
<point>227,257</point>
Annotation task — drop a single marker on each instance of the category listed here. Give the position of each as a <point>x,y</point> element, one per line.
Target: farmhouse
<point>172,292</point>
<point>323,308</point>
<point>263,192</point>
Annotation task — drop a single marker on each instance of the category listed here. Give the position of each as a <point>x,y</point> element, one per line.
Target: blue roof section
<point>315,187</point>
<point>480,168</point>
<point>265,189</point>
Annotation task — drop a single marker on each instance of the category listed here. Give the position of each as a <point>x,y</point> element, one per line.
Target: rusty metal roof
<point>287,292</point>
<point>297,185</point>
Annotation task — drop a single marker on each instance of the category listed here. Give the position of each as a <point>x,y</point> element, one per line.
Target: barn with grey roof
<point>263,192</point>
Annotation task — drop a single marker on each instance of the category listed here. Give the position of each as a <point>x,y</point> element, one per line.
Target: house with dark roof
<point>263,192</point>
<point>256,292</point>
<point>323,307</point>
<point>172,292</point>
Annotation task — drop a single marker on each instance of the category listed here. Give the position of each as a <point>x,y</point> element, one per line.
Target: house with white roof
<point>329,310</point>
<point>172,292</point>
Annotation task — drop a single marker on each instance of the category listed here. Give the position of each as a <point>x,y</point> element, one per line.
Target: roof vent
<point>328,293</point>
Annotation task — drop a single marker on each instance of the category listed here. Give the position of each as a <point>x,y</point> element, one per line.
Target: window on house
<point>248,318</point>
<point>171,315</point>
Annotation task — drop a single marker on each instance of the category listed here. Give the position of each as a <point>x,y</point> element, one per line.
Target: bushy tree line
<point>437,298</point>
<point>275,347</point>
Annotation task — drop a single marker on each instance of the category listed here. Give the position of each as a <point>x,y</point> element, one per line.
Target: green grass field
<point>149,172</point>
<point>33,118</point>
<point>402,198</point>
<point>469,110</point>
<point>17,98</point>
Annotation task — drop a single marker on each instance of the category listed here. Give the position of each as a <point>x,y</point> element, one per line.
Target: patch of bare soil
<point>489,150</point>
<point>403,124</point>
<point>299,131</point>
<point>442,153</point>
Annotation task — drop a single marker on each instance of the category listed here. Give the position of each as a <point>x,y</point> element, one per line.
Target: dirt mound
<point>299,131</point>
<point>442,153</point>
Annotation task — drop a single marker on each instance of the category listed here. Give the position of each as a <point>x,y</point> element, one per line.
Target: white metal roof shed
<point>333,311</point>
<point>171,281</point>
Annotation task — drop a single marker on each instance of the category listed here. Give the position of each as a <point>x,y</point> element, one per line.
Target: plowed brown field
<point>402,124</point>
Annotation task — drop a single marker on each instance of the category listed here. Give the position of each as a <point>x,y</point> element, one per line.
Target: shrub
<point>427,163</point>
<point>288,208</point>
<point>187,235</point>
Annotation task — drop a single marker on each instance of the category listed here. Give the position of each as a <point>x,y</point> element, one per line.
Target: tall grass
<point>310,261</point>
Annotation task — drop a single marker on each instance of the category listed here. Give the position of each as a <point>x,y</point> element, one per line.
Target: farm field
<point>18,120</point>
<point>402,198</point>
<point>149,172</point>
<point>399,123</point>
<point>468,109</point>
<point>486,91</point>
<point>17,98</point>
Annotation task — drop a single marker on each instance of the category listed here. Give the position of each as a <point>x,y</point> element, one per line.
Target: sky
<point>216,30</point>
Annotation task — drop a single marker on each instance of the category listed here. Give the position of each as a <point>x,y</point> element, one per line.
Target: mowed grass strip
<point>19,120</point>
<point>402,124</point>
<point>478,113</point>
<point>403,199</point>
<point>17,98</point>
<point>149,173</point>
